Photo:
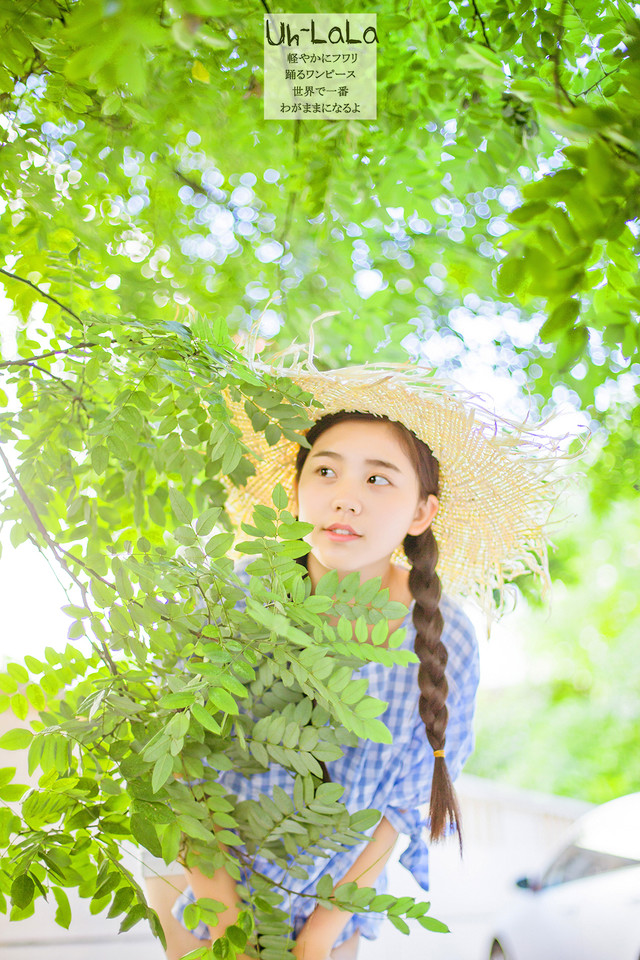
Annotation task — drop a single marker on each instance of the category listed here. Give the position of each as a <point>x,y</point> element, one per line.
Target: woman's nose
<point>346,502</point>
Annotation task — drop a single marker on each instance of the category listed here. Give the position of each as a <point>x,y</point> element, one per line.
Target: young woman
<point>406,482</point>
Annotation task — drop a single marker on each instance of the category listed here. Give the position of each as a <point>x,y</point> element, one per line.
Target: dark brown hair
<point>424,584</point>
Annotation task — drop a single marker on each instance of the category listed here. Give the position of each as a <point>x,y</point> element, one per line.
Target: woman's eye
<point>376,476</point>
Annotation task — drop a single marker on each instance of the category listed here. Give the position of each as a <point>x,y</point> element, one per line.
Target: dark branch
<point>47,296</point>
<point>59,552</point>
<point>555,57</point>
<point>29,361</point>
<point>196,187</point>
<point>35,366</point>
<point>484,29</point>
<point>604,76</point>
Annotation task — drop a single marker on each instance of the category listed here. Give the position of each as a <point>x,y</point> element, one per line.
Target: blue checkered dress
<point>393,778</point>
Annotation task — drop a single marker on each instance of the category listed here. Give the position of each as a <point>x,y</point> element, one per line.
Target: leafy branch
<point>40,292</point>
<point>478,15</point>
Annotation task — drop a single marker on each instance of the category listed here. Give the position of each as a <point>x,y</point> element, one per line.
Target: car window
<point>576,862</point>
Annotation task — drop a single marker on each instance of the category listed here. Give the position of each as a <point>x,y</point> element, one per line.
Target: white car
<point>586,904</point>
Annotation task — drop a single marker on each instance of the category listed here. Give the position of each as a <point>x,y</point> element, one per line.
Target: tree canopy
<point>148,211</point>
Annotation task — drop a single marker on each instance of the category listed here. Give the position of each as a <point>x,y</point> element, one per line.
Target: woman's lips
<point>341,536</point>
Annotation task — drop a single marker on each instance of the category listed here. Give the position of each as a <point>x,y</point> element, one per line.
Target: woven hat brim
<point>498,480</point>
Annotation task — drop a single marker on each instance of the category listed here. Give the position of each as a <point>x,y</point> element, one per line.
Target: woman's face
<point>358,475</point>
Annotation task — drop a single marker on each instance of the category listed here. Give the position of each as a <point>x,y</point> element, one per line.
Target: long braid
<point>424,584</point>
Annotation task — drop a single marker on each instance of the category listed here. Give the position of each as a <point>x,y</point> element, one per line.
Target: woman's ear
<point>424,516</point>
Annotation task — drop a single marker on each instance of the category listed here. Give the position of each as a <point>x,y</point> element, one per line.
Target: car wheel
<point>497,953</point>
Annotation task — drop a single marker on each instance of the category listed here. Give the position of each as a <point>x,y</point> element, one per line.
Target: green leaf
<point>510,276</point>
<point>7,683</point>
<point>562,318</point>
<point>399,924</point>
<point>185,535</point>
<point>380,633</point>
<point>162,771</point>
<point>22,890</point>
<point>36,696</point>
<point>100,458</point>
<point>156,812</point>
<point>206,521</point>
<point>194,828</point>
<point>328,584</point>
<point>219,545</point>
<point>259,751</point>
<point>223,700</point>
<point>203,716</point>
<point>6,775</point>
<point>16,739</point>
<point>145,833</point>
<point>13,792</point>
<point>430,923</point>
<point>324,887</point>
<point>171,840</point>
<point>381,902</point>
<point>294,530</point>
<point>370,707</point>
<point>184,698</point>
<point>363,820</point>
<point>121,901</point>
<point>18,672</point>
<point>137,913</point>
<point>283,801</point>
<point>181,506</point>
<point>63,910</point>
<point>237,937</point>
<point>279,497</point>
<point>272,434</point>
<point>229,838</point>
<point>191,916</point>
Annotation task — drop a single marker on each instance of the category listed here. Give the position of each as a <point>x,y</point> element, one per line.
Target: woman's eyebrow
<point>373,463</point>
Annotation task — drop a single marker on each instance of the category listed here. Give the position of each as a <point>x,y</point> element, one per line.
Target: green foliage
<point>164,682</point>
<point>580,707</point>
<point>113,170</point>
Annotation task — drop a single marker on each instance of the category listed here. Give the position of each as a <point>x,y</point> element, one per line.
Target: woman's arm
<point>221,886</point>
<point>323,927</point>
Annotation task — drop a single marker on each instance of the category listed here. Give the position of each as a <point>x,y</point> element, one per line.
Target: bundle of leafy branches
<point>166,680</point>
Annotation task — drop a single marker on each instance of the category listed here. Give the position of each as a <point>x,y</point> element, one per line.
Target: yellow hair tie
<point>438,753</point>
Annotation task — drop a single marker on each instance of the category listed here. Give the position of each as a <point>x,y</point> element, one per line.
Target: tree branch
<point>34,366</point>
<point>47,296</point>
<point>196,187</point>
<point>555,57</point>
<point>59,552</point>
<point>478,15</point>
<point>604,76</point>
<point>27,361</point>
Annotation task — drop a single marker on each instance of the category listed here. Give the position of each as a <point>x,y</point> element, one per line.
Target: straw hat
<point>498,480</point>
